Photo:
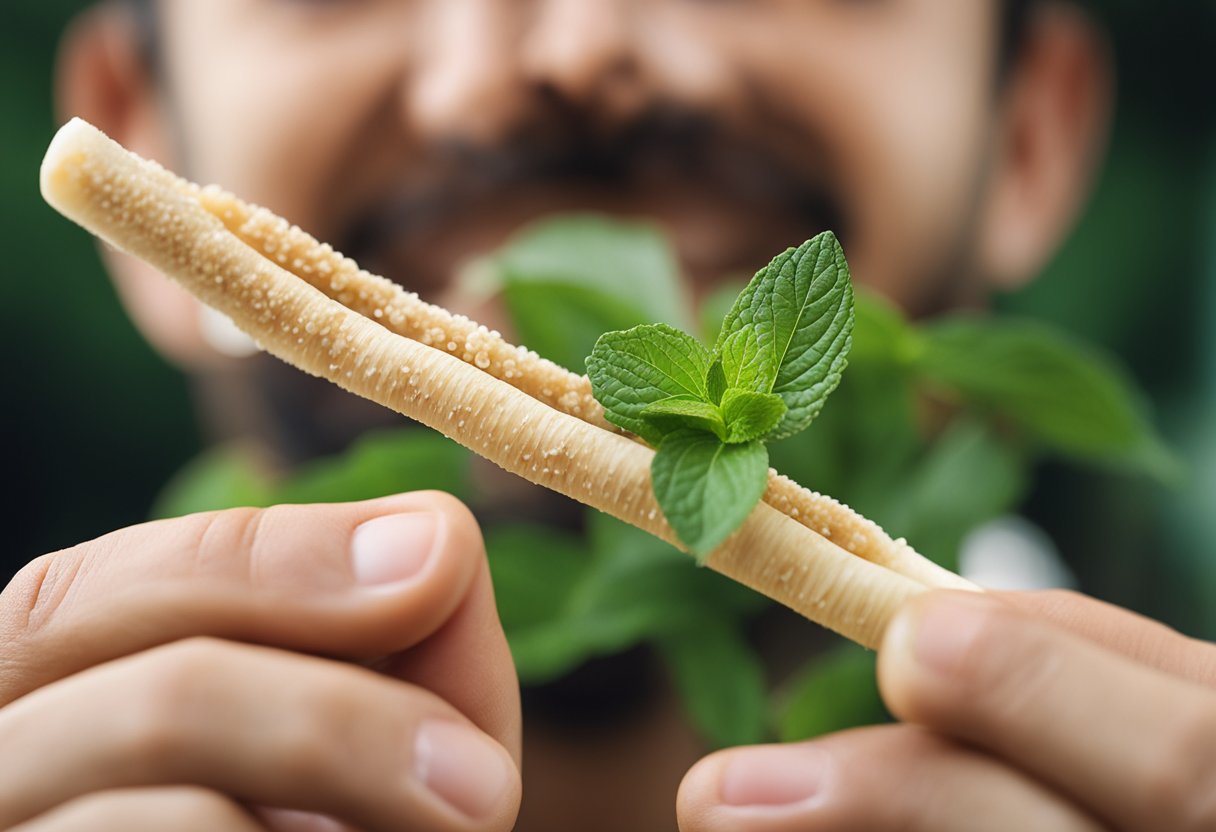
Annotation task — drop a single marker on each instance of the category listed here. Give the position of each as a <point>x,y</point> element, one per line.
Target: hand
<point>174,674</point>
<point>1036,712</point>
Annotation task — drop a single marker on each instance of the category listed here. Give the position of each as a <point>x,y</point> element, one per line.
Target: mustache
<point>663,144</point>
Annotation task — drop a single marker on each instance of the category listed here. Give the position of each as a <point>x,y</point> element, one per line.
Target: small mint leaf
<point>1066,395</point>
<point>836,690</point>
<point>706,488</point>
<point>679,412</point>
<point>790,330</point>
<point>715,382</point>
<point>749,415</point>
<point>720,679</point>
<point>743,361</point>
<point>634,368</point>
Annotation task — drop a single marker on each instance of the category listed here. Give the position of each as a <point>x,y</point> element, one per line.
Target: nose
<point>483,66</point>
<point>581,49</point>
<point>466,80</point>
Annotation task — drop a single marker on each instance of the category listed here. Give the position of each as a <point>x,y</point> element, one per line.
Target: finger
<point>264,727</point>
<point>180,808</point>
<point>1148,642</point>
<point>323,578</point>
<point>289,820</point>
<point>355,580</point>
<point>1136,746</point>
<point>467,663</point>
<point>869,780</point>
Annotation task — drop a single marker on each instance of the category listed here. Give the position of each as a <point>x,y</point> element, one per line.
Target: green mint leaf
<point>219,478</point>
<point>715,382</point>
<point>565,280</point>
<point>743,360</point>
<point>679,412</point>
<point>721,681</point>
<point>707,488</point>
<point>749,415</point>
<point>966,477</point>
<point>629,260</point>
<point>714,308</point>
<point>564,599</point>
<point>635,368</point>
<point>378,464</point>
<point>535,570</point>
<point>382,463</point>
<point>561,321</point>
<point>790,330</point>
<point>1060,392</point>
<point>881,333</point>
<point>836,691</point>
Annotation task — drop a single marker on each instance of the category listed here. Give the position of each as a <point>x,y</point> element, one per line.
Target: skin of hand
<point>1045,711</point>
<point>343,664</point>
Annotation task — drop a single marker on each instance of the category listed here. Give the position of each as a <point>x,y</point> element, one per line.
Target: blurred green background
<point>95,423</point>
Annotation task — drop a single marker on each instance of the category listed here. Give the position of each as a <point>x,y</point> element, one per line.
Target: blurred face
<point>415,134</point>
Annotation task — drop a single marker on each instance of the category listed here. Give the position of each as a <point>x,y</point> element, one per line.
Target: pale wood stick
<point>857,534</point>
<point>404,313</point>
<point>143,209</point>
<point>401,311</point>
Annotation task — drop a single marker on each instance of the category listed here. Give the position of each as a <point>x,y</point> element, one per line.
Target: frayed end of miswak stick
<point>72,143</point>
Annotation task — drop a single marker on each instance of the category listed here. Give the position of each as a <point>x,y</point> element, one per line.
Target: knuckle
<point>224,534</point>
<point>174,807</point>
<point>1180,780</point>
<point>171,684</point>
<point>256,546</point>
<point>199,808</point>
<point>37,591</point>
<point>22,598</point>
<point>319,738</point>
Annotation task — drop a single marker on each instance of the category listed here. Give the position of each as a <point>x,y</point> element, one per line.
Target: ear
<point>1053,133</point>
<point>103,76</point>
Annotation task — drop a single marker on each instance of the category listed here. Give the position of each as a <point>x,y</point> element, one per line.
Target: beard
<point>461,200</point>
<point>727,199</point>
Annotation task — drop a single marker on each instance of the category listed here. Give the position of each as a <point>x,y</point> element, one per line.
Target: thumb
<point>356,580</point>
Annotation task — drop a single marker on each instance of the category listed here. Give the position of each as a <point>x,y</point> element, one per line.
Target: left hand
<point>1046,711</point>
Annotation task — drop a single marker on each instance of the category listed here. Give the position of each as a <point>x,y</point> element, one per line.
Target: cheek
<point>898,100</point>
<point>916,158</point>
<point>273,108</point>
<point>914,172</point>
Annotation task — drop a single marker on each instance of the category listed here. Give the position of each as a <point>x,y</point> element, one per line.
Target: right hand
<point>175,674</point>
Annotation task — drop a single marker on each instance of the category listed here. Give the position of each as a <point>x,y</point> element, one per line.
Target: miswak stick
<point>143,209</point>
<point>404,313</point>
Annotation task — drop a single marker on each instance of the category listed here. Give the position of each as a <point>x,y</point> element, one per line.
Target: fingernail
<point>290,820</point>
<point>393,548</point>
<point>773,776</point>
<point>946,630</point>
<point>460,765</point>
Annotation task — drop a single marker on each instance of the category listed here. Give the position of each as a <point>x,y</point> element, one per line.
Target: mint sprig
<point>635,368</point>
<point>781,350</point>
<point>707,487</point>
<point>790,330</point>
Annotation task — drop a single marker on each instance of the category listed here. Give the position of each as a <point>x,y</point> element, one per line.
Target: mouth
<point>726,201</point>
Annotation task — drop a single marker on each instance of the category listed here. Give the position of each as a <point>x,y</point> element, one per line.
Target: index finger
<point>353,581</point>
